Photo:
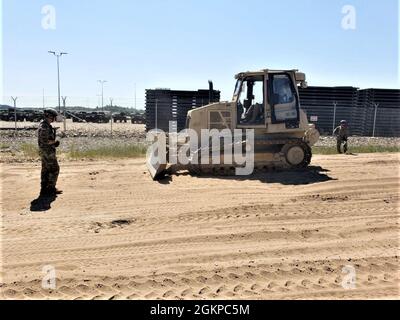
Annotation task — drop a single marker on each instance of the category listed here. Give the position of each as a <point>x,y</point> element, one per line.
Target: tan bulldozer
<point>265,103</point>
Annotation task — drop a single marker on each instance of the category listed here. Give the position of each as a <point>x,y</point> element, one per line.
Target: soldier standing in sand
<point>47,149</point>
<point>342,136</point>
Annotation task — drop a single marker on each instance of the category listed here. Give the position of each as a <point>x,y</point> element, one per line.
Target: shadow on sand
<point>306,176</point>
<point>43,203</point>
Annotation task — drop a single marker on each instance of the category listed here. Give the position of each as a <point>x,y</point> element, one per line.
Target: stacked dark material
<point>356,106</point>
<point>321,102</point>
<point>325,106</point>
<point>386,104</point>
<point>172,105</point>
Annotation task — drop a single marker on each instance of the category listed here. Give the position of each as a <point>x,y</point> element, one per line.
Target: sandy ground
<point>273,236</point>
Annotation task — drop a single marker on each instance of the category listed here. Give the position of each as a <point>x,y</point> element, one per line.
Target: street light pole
<point>58,55</point>
<point>102,93</point>
<point>98,100</point>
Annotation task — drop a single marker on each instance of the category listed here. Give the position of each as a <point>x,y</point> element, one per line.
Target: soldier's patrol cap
<point>51,113</point>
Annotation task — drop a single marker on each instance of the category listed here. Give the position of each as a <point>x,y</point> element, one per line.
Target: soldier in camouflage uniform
<point>342,136</point>
<point>47,149</point>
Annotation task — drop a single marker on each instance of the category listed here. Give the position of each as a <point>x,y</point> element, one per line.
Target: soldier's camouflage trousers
<point>339,145</point>
<point>50,169</point>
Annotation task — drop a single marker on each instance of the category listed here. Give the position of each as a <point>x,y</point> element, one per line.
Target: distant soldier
<point>342,136</point>
<point>47,148</point>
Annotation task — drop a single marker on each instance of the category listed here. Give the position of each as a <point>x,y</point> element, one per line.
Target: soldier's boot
<point>55,191</point>
<point>45,192</point>
<point>339,147</point>
<point>345,147</point>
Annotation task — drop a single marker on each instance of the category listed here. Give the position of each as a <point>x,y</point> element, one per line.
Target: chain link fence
<point>366,121</point>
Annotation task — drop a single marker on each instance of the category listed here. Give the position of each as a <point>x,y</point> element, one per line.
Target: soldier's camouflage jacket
<point>342,133</point>
<point>46,133</point>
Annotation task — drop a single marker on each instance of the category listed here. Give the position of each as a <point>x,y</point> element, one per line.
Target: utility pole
<point>58,55</point>
<point>102,82</point>
<point>43,100</point>
<point>65,113</point>
<point>15,112</point>
<point>98,100</point>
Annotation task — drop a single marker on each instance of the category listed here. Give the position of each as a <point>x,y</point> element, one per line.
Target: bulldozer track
<point>280,162</point>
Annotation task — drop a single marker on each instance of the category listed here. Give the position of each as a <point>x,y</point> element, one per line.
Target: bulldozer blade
<point>156,169</point>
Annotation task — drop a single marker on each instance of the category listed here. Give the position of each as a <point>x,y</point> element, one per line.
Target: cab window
<point>237,88</point>
<point>284,99</point>
<point>251,110</point>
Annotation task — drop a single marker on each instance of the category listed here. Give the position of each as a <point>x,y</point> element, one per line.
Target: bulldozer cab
<point>267,98</point>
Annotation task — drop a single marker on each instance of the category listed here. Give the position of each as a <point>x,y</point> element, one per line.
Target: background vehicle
<point>138,118</point>
<point>120,117</point>
<point>98,117</point>
<point>79,116</point>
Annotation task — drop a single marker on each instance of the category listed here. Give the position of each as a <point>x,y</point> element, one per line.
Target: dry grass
<point>109,152</point>
<point>29,150</point>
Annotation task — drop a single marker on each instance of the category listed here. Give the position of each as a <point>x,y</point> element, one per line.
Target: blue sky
<point>180,44</point>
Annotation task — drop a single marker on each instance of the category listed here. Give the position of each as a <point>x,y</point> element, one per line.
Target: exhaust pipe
<point>211,91</point>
